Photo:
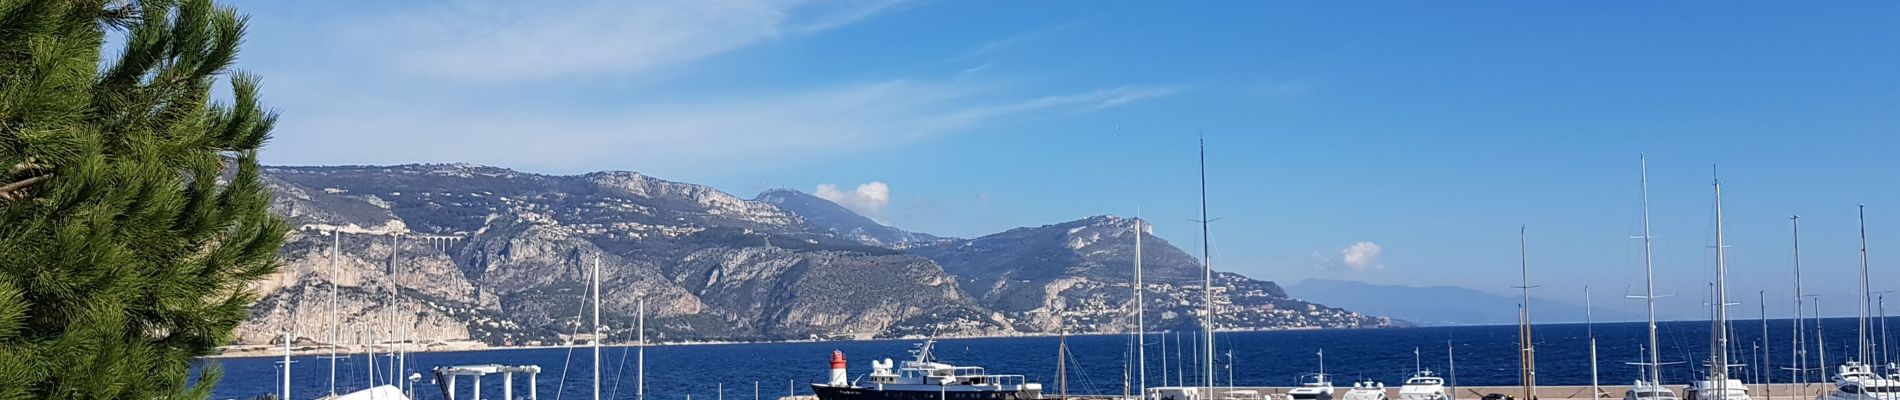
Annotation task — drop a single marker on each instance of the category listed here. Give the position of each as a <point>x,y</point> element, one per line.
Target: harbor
<point>1779,390</point>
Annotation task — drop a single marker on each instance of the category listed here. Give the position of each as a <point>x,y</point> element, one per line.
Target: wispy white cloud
<point>993,46</point>
<point>1361,256</point>
<point>704,132</point>
<point>520,84</point>
<point>516,41</point>
<point>869,199</point>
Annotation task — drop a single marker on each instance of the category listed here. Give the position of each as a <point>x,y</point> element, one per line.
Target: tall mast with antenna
<point>1527,352</point>
<point>1799,356</point>
<point>1718,343</point>
<point>1207,276</point>
<point>1649,282</point>
<point>1141,316</point>
<point>1861,346</point>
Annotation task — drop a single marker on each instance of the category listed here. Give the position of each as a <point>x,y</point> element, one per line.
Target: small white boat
<point>1366,390</point>
<point>1423,386</point>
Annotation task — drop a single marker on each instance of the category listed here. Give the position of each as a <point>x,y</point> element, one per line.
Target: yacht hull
<point>827,392</point>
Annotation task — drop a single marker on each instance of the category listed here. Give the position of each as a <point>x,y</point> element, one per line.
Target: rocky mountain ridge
<point>458,251</point>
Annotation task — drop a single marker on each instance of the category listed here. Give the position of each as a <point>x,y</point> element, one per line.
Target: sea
<point>1097,364</point>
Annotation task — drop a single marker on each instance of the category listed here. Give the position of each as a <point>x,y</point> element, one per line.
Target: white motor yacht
<point>1423,386</point>
<point>1645,390</point>
<point>1366,390</point>
<point>1312,387</point>
<point>1857,381</point>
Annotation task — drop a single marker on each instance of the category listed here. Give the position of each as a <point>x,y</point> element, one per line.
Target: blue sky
<point>1430,130</point>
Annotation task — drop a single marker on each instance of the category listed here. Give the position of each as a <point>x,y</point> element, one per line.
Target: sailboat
<point>1856,380</point>
<point>1205,391</point>
<point>1717,385</point>
<point>1651,388</point>
<point>374,392</point>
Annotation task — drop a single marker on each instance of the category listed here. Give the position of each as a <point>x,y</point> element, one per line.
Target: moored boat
<point>923,378</point>
<point>1423,386</point>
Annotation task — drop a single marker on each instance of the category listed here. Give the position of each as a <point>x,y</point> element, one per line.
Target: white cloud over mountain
<point>868,199</point>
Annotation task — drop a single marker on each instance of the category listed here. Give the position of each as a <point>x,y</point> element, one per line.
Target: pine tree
<point>132,218</point>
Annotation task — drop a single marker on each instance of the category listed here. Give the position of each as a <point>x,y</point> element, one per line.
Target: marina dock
<point>1774,391</point>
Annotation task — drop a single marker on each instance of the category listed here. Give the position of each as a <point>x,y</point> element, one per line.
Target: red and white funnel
<point>837,368</point>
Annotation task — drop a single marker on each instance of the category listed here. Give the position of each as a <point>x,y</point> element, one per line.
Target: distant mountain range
<point>504,257</point>
<point>1446,305</point>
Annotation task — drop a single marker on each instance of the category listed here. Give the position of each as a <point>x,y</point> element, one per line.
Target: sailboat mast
<point>1589,326</point>
<point>1062,363</point>
<point>1649,282</point>
<point>1164,358</point>
<point>1141,317</point>
<point>1861,350</point>
<point>1800,350</point>
<point>1882,304</point>
<point>389,316</point>
<point>1764,360</point>
<point>1207,276</point>
<point>336,241</point>
<point>287,339</point>
<point>1527,352</point>
<point>640,383</point>
<point>1820,335</point>
<point>1451,373</point>
<point>1718,351</point>
<point>596,284</point>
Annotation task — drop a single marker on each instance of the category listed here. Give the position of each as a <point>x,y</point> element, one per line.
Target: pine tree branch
<point>8,192</point>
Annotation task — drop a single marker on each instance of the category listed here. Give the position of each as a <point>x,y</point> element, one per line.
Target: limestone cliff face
<point>505,257</point>
<point>1080,274</point>
<point>428,292</point>
<point>467,252</point>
